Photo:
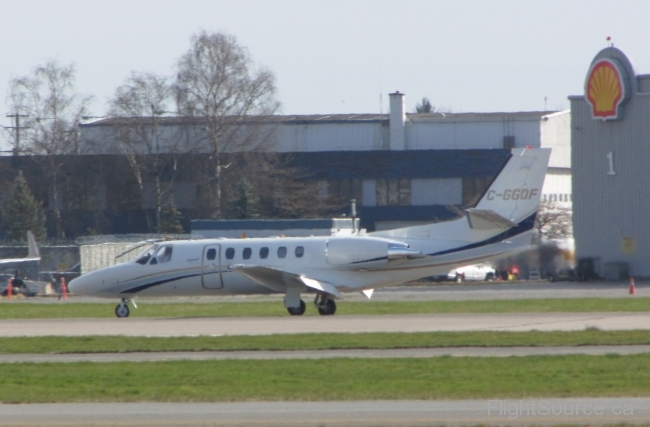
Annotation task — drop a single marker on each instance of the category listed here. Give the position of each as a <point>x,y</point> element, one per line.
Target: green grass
<point>330,379</point>
<point>80,310</point>
<point>121,344</point>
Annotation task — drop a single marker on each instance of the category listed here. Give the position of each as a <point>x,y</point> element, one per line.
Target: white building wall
<point>369,192</point>
<point>466,134</point>
<point>328,137</point>
<point>557,187</point>
<point>555,133</point>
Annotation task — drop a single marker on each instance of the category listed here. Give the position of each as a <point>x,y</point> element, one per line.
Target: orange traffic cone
<point>10,289</point>
<point>632,287</point>
<point>64,289</point>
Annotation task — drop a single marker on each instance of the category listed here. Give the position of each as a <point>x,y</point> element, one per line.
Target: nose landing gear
<point>122,309</point>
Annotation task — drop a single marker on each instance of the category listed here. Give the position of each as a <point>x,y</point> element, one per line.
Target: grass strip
<point>227,309</point>
<point>329,379</point>
<point>121,344</point>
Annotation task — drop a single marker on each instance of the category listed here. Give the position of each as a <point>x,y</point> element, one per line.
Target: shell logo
<point>604,90</point>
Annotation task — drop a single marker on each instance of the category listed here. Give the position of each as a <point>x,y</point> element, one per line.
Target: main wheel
<point>459,278</point>
<point>328,308</point>
<point>122,310</point>
<point>297,311</point>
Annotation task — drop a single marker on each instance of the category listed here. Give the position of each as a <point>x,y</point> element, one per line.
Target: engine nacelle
<point>366,252</point>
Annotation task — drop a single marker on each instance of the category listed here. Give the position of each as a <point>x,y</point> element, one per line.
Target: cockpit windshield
<point>146,255</point>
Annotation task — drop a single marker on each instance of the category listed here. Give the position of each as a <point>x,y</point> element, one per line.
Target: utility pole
<point>17,128</point>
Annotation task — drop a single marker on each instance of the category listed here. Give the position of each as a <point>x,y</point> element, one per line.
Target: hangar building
<point>610,140</point>
<point>402,168</point>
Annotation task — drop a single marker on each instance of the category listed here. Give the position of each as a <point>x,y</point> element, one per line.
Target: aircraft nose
<point>78,285</point>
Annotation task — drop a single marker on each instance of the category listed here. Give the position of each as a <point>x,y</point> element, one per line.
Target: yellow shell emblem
<point>605,90</point>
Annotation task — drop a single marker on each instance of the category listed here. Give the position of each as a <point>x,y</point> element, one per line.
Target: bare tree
<point>53,109</point>
<point>553,221</point>
<point>217,82</point>
<point>138,106</point>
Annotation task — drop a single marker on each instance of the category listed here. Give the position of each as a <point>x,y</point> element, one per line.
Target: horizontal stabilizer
<point>482,219</point>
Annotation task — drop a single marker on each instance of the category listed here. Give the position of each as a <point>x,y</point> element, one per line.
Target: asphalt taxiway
<point>592,411</point>
<point>219,326</point>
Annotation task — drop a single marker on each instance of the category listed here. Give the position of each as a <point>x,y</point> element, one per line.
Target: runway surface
<point>593,411</point>
<point>219,326</point>
<point>323,354</point>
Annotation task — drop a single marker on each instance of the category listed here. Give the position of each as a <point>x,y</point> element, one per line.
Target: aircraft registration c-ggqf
<point>500,224</point>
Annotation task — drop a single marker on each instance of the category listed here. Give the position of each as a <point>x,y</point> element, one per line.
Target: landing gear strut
<point>122,310</point>
<point>297,311</point>
<point>325,305</point>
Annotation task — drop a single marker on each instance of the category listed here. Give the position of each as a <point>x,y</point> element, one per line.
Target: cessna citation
<point>501,223</point>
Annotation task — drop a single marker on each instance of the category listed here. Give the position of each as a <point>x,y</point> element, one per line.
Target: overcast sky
<point>336,56</point>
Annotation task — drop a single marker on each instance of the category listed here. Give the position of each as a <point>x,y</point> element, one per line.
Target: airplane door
<point>211,267</point>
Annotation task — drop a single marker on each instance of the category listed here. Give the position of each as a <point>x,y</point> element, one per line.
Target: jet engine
<point>367,252</point>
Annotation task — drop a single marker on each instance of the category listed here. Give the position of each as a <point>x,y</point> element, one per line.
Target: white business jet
<point>500,224</point>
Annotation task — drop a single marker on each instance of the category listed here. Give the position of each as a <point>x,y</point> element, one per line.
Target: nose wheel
<point>122,310</point>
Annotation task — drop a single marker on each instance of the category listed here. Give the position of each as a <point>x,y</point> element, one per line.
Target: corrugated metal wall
<point>608,208</point>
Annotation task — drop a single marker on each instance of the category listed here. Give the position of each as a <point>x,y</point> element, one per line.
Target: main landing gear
<point>297,311</point>
<point>122,309</point>
<point>325,305</point>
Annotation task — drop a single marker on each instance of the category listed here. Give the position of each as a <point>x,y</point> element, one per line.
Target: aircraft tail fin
<point>33,247</point>
<point>515,193</point>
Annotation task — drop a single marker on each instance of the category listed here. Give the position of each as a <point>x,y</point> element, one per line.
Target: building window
<point>473,189</point>
<point>393,192</point>
<point>346,189</point>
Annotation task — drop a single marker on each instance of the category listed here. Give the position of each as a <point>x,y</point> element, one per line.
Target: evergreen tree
<point>22,212</point>
<point>424,106</point>
<point>242,204</point>
<point>170,219</point>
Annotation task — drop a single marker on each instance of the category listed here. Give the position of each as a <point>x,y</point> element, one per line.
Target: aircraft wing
<point>8,261</point>
<point>280,280</point>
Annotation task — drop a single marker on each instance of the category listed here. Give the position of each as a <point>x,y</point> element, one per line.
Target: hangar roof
<point>342,118</point>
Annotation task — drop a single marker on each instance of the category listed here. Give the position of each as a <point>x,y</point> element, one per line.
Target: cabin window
<point>211,254</point>
<point>247,253</point>
<point>164,254</point>
<point>264,253</point>
<point>282,252</point>
<point>300,251</point>
<point>154,261</point>
<point>230,253</point>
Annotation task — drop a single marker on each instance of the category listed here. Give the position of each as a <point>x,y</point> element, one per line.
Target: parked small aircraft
<point>22,271</point>
<point>501,223</point>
